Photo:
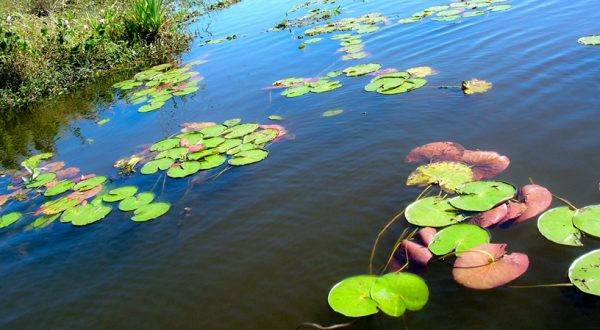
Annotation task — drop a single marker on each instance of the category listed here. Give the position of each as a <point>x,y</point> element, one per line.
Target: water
<point>263,244</point>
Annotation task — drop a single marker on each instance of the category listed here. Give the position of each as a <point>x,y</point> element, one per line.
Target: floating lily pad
<point>59,205</point>
<point>154,166</point>
<point>421,71</point>
<point>150,211</point>
<point>448,175</point>
<point>482,195</point>
<point>43,221</point>
<point>296,91</point>
<point>587,219</point>
<point>485,164</point>
<point>232,122</point>
<point>165,145</point>
<point>33,161</point>
<point>537,200</point>
<point>213,142</point>
<point>262,137</point>
<point>397,292</point>
<point>240,130</point>
<point>474,86</point>
<point>446,18</point>
<point>450,12</point>
<point>432,212</point>
<point>352,296</point>
<point>459,238</point>
<point>362,69</point>
<point>492,217</point>
<point>41,180</point>
<point>436,152</point>
<point>248,157</point>
<point>212,161</point>
<point>151,107</point>
<point>175,153</point>
<point>89,183</point>
<point>354,56</point>
<point>10,218</point>
<point>557,226</point>
<point>473,13</point>
<point>312,40</point>
<point>85,214</point>
<point>213,131</point>
<point>134,202</point>
<point>584,272</point>
<point>119,194</point>
<point>331,113</point>
<point>184,169</point>
<point>275,117</point>
<point>324,86</point>
<point>500,8</point>
<point>410,20</point>
<point>590,40</point>
<point>415,253</point>
<point>59,188</point>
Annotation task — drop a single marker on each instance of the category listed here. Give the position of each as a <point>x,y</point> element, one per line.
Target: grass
<point>48,47</point>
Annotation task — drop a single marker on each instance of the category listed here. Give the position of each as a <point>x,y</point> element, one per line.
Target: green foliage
<point>146,19</point>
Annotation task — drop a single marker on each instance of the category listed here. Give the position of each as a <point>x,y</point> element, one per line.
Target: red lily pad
<point>426,235</point>
<point>53,167</point>
<point>194,127</point>
<point>83,178</point>
<point>67,173</point>
<point>414,252</point>
<point>537,199</point>
<point>195,148</point>
<point>514,210</point>
<point>85,195</point>
<point>489,218</point>
<point>485,164</point>
<point>282,131</point>
<point>382,72</point>
<point>436,152</point>
<point>487,266</point>
<point>4,199</point>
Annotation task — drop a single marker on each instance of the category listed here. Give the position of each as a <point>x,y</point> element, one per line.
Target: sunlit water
<point>263,244</point>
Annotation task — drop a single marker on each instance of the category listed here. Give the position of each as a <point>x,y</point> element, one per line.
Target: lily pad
<point>492,217</point>
<point>474,86</point>
<point>450,12</point>
<point>296,91</point>
<point>537,199</point>
<point>436,152</point>
<point>482,195</point>
<point>275,117</point>
<point>587,219</point>
<point>448,175</point>
<point>43,221</point>
<point>446,18</point>
<point>151,107</point>
<point>183,169</point>
<point>85,214</point>
<point>414,252</point>
<point>212,161</point>
<point>41,180</point>
<point>154,166</point>
<point>240,130</point>
<point>500,8</point>
<point>584,272</point>
<point>58,205</point>
<point>33,161</point>
<point>397,292</point>
<point>421,71</point>
<point>119,194</point>
<point>331,113</point>
<point>213,142</point>
<point>485,164</point>
<point>232,122</point>
<point>557,226</point>
<point>248,157</point>
<point>473,13</point>
<point>89,183</point>
<point>165,145</point>
<point>362,69</point>
<point>459,238</point>
<point>432,212</point>
<point>213,131</point>
<point>175,153</point>
<point>10,218</point>
<point>59,188</point>
<point>150,211</point>
<point>352,296</point>
<point>134,202</point>
<point>589,40</point>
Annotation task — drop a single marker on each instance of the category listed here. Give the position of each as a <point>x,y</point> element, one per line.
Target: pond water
<point>261,245</point>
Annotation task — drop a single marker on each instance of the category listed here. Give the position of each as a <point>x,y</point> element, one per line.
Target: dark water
<point>263,244</point>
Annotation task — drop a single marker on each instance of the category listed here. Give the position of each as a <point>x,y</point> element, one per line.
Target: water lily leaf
<point>584,272</point>
<point>414,252</point>
<point>262,137</point>
<point>203,153</point>
<point>59,205</point>
<point>587,219</point>
<point>87,194</point>
<point>213,131</point>
<point>43,221</point>
<point>589,40</point>
<point>362,69</point>
<point>436,152</point>
<point>450,12</point>
<point>421,71</point>
<point>103,121</point>
<point>482,195</point>
<point>232,122</point>
<point>90,183</point>
<point>557,226</point>
<point>212,162</point>
<point>184,169</point>
<point>448,175</point>
<point>410,20</point>
<point>10,218</point>
<point>485,164</point>
<point>41,180</point>
<point>59,188</point>
<point>248,157</point>
<point>158,164</point>
<point>513,211</point>
<point>324,86</point>
<point>334,74</point>
<point>437,8</point>
<point>354,56</point>
<point>446,18</point>
<point>134,202</point>
<point>473,13</point>
<point>352,296</point>
<point>312,40</point>
<point>459,238</point>
<point>119,194</point>
<point>405,87</point>
<point>165,144</point>
<point>537,199</point>
<point>228,144</point>
<point>296,91</point>
<point>213,142</point>
<point>341,36</point>
<point>243,147</point>
<point>397,292</point>
<point>275,117</point>
<point>190,139</point>
<point>240,130</point>
<point>500,8</point>
<point>151,107</point>
<point>476,86</point>
<point>426,235</point>
<point>151,211</point>
<point>187,91</point>
<point>332,113</point>
<point>85,214</point>
<point>487,267</point>
<point>492,217</point>
<point>175,153</point>
<point>432,212</point>
<point>33,161</point>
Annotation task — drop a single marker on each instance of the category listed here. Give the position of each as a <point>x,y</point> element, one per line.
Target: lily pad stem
<point>540,286</point>
<point>381,232</point>
<point>566,202</point>
<point>318,326</point>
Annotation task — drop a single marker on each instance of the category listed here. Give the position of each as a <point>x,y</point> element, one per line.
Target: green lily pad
<point>275,117</point>
<point>213,131</point>
<point>154,166</point>
<point>43,221</point>
<point>192,137</point>
<point>213,142</point>
<point>90,183</point>
<point>312,40</point>
<point>184,169</point>
<point>232,122</point>
<point>325,86</point>
<point>450,12</point>
<point>332,113</point>
<point>352,296</point>
<point>41,180</point>
<point>437,8</point>
<point>119,194</point>
<point>557,226</point>
<point>589,40</point>
<point>165,145</point>
<point>151,107</point>
<point>202,153</point>
<point>587,219</point>
<point>446,18</point>
<point>150,211</point>
<point>584,272</point>
<point>59,188</point>
<point>240,130</point>
<point>296,91</point>
<point>448,175</point>
<point>432,212</point>
<point>334,74</point>
<point>261,137</point>
<point>361,70</point>
<point>212,161</point>
<point>33,161</point>
<point>473,13</point>
<point>354,56</point>
<point>187,91</point>
<point>175,153</point>
<point>228,144</point>
<point>85,214</point>
<point>482,195</point>
<point>397,292</point>
<point>409,20</point>
<point>103,121</point>
<point>248,157</point>
<point>59,205</point>
<point>134,202</point>
<point>10,218</point>
<point>459,238</point>
<point>500,8</point>
<point>243,147</point>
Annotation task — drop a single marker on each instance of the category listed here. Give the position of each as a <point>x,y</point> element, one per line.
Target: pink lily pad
<point>83,177</point>
<point>414,252</point>
<point>514,210</point>
<point>282,131</point>
<point>184,142</point>
<point>53,167</point>
<point>84,195</point>
<point>195,148</point>
<point>436,151</point>
<point>4,199</point>
<point>383,71</point>
<point>426,235</point>
<point>489,218</point>
<point>537,199</point>
<point>194,127</point>
<point>485,164</point>
<point>487,266</point>
<point>67,173</point>
<point>268,88</point>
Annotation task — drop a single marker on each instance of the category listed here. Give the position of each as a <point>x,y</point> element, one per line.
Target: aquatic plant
<point>589,40</point>
<point>457,10</point>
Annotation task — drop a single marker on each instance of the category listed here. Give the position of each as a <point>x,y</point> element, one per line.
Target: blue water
<point>263,244</point>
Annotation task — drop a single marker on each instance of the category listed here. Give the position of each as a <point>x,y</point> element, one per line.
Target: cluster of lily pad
<point>299,86</point>
<point>457,10</point>
<point>399,82</point>
<point>313,16</point>
<point>219,40</point>
<point>352,46</point>
<point>363,24</point>
<point>157,85</point>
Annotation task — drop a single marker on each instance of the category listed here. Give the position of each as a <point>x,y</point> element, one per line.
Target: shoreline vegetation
<point>48,47</point>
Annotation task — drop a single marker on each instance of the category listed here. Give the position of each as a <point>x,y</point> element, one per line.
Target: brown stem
<point>318,326</point>
<point>566,202</point>
<point>381,232</point>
